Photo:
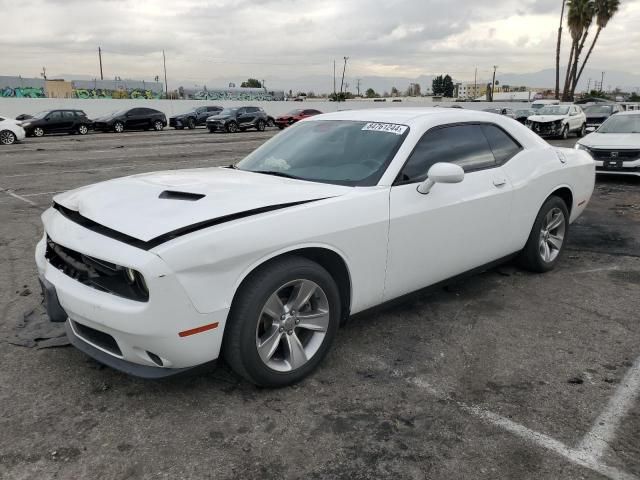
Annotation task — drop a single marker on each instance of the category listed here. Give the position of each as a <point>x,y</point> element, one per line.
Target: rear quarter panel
<point>536,173</point>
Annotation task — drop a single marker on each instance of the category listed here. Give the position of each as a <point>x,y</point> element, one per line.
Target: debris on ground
<point>35,330</point>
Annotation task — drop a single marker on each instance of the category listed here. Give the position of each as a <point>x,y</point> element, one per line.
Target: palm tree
<point>558,51</point>
<point>579,18</point>
<point>605,10</point>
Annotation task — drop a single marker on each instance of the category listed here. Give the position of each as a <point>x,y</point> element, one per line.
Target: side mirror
<point>441,173</point>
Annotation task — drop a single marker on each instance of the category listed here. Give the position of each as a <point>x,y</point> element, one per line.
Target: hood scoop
<point>186,196</point>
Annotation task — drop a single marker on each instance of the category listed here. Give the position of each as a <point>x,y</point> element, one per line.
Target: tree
<point>371,93</point>
<point>605,10</point>
<point>558,51</point>
<point>394,92</point>
<point>251,83</point>
<point>448,86</point>
<point>437,86</point>
<point>579,18</point>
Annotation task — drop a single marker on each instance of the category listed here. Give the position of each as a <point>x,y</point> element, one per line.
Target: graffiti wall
<point>22,92</point>
<point>231,95</point>
<point>133,94</point>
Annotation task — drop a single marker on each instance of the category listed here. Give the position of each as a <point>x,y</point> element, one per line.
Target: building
<point>58,89</point>
<point>469,91</point>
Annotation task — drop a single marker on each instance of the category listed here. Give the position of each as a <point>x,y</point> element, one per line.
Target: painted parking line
<point>19,197</point>
<point>589,452</point>
<point>604,430</point>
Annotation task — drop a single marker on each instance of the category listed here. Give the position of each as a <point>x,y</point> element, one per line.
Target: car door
<point>52,122</point>
<point>575,119</point>
<point>455,227</point>
<point>68,121</point>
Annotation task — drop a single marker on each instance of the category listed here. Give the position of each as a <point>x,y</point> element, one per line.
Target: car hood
<point>134,206</point>
<point>219,117</point>
<point>612,140</point>
<point>182,115</point>
<point>546,118</point>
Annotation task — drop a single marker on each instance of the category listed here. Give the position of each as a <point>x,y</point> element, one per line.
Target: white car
<point>10,131</point>
<point>558,121</point>
<point>262,261</point>
<point>615,146</point>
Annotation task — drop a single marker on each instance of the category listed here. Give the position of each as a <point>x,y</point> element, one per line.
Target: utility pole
<point>334,80</point>
<point>100,59</point>
<point>589,85</point>
<point>602,81</point>
<point>358,85</point>
<point>166,87</point>
<point>44,73</point>
<point>493,83</point>
<point>475,83</point>
<point>344,69</point>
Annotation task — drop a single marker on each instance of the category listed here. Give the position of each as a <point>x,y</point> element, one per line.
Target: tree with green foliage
<point>437,86</point>
<point>447,86</point>
<point>251,83</point>
<point>371,93</point>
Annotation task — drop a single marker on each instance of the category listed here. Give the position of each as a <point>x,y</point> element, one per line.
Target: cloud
<point>238,38</point>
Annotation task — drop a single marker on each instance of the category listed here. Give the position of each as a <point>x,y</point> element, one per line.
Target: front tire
<point>260,126</point>
<point>191,123</point>
<point>231,127</point>
<point>38,132</point>
<point>158,126</point>
<point>547,238</point>
<point>7,137</point>
<point>83,129</point>
<point>565,132</point>
<point>282,322</point>
<point>118,127</point>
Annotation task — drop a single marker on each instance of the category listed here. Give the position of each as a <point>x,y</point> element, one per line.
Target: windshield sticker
<point>385,127</point>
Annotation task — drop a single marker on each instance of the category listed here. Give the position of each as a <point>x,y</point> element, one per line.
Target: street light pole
<point>100,59</point>
<point>166,87</point>
<point>344,69</point>
<point>493,83</point>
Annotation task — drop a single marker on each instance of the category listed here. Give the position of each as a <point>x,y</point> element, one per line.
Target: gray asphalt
<point>443,386</point>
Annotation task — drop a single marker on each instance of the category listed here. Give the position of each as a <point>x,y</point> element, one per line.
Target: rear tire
<point>265,340</point>
<point>7,137</point>
<point>583,131</point>
<point>544,246</point>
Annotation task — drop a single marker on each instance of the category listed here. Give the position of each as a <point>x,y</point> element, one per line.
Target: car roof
<point>408,115</point>
<point>628,112</point>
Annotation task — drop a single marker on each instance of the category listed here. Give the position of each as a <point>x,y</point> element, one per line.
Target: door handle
<point>499,182</point>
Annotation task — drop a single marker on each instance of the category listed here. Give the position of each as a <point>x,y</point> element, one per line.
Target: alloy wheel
<point>552,235</point>
<point>232,127</point>
<point>157,126</point>
<point>292,325</point>
<point>118,127</point>
<point>7,137</point>
<point>38,132</point>
<point>82,129</point>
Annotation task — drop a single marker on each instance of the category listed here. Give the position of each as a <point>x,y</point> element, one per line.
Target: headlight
<point>579,146</point>
<point>135,279</point>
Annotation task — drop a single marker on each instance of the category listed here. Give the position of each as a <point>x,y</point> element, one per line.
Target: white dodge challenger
<point>260,262</point>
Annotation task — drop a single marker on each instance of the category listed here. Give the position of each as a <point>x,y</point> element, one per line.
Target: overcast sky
<point>289,38</point>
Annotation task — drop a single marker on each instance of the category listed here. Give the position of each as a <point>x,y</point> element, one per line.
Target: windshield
<point>227,111</point>
<point>298,111</point>
<point>595,109</point>
<point>553,110</point>
<point>621,124</point>
<point>522,113</point>
<point>40,114</point>
<point>330,151</point>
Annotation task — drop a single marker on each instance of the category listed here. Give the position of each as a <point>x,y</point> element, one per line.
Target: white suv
<point>558,121</point>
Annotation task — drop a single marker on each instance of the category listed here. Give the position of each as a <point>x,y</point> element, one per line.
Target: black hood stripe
<point>89,224</point>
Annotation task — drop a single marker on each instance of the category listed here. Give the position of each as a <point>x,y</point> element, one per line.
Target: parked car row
<point>74,121</point>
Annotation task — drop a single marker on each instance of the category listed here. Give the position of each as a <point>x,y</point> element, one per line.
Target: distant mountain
<point>324,83</point>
